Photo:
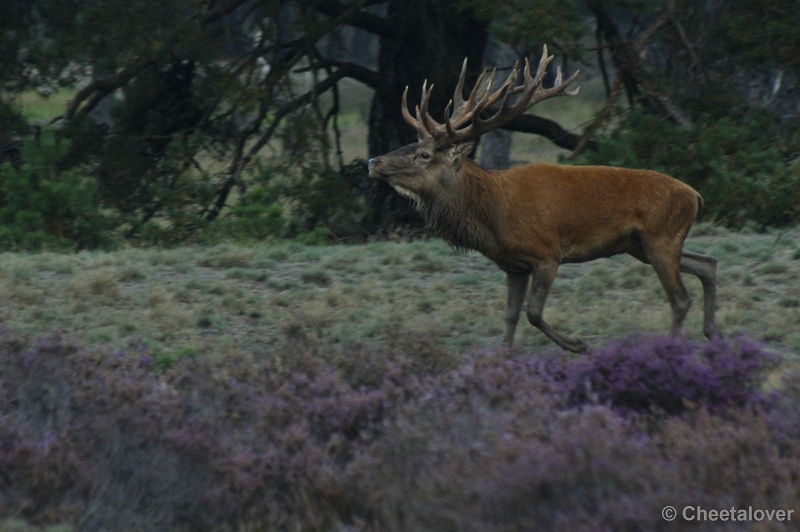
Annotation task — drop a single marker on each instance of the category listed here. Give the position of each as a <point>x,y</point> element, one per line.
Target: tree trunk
<point>496,144</point>
<point>434,38</point>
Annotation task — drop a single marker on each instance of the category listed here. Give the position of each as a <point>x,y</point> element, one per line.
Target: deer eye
<point>424,156</point>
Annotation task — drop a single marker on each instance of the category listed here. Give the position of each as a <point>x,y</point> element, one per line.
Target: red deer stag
<point>532,218</point>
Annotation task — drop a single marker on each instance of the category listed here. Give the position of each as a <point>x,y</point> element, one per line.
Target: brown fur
<point>532,218</point>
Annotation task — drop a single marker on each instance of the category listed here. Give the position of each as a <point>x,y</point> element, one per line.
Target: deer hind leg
<point>666,262</point>
<point>704,267</point>
<point>517,286</point>
<point>543,277</point>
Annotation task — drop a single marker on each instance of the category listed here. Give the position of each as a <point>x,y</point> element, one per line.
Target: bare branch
<point>368,77</point>
<point>647,33</point>
<point>690,49</point>
<point>626,57</point>
<point>241,160</point>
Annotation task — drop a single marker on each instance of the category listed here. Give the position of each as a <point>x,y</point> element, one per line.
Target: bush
<point>669,374</point>
<point>500,440</point>
<point>42,206</point>
<point>258,215</point>
<point>735,163</point>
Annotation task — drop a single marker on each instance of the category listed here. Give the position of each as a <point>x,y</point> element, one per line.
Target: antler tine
<point>505,90</point>
<point>448,126</point>
<point>458,112</point>
<point>459,94</point>
<point>531,93</point>
<point>473,95</point>
<point>415,123</point>
<point>463,111</point>
<point>557,90</point>
<point>479,126</point>
<point>476,104</point>
<point>509,87</point>
<point>421,100</point>
<point>430,125</point>
<point>543,62</point>
<point>489,83</point>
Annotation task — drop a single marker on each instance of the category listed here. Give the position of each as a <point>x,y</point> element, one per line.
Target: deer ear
<point>462,149</point>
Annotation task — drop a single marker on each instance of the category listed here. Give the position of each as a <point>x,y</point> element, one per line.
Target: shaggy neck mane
<point>462,216</point>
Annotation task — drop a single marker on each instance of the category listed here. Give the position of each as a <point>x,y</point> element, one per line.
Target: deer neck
<point>463,212</point>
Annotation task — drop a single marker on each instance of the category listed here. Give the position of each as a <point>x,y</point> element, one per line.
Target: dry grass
<point>243,299</point>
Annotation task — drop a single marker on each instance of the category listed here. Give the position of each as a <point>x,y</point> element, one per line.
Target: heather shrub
<point>784,413</point>
<point>669,374</point>
<point>319,437</point>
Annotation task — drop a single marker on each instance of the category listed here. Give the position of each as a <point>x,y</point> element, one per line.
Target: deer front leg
<point>543,276</point>
<point>517,286</point>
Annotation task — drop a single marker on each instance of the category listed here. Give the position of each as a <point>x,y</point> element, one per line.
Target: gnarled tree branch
<point>548,129</point>
<point>102,87</point>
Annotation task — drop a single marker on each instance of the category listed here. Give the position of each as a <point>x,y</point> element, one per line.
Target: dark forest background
<point>174,105</point>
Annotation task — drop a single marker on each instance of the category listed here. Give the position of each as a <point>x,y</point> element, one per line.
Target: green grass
<point>228,298</point>
<point>39,108</point>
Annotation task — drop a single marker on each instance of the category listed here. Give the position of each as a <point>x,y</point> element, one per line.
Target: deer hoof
<point>576,346</point>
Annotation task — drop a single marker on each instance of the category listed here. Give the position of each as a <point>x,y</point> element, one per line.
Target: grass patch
<point>317,277</point>
<point>774,268</point>
<point>243,297</point>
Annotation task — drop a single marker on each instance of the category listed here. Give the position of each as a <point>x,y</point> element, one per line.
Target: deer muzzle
<point>375,167</point>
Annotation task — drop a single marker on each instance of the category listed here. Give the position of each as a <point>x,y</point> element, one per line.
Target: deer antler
<point>480,99</point>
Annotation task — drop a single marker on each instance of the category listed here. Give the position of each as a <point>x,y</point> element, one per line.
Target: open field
<point>237,298</point>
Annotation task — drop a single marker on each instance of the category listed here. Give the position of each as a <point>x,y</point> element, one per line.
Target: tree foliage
<point>529,23</point>
<point>176,102</point>
<point>762,33</point>
<point>42,207</point>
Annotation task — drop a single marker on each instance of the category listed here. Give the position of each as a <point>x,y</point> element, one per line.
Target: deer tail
<point>700,202</point>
